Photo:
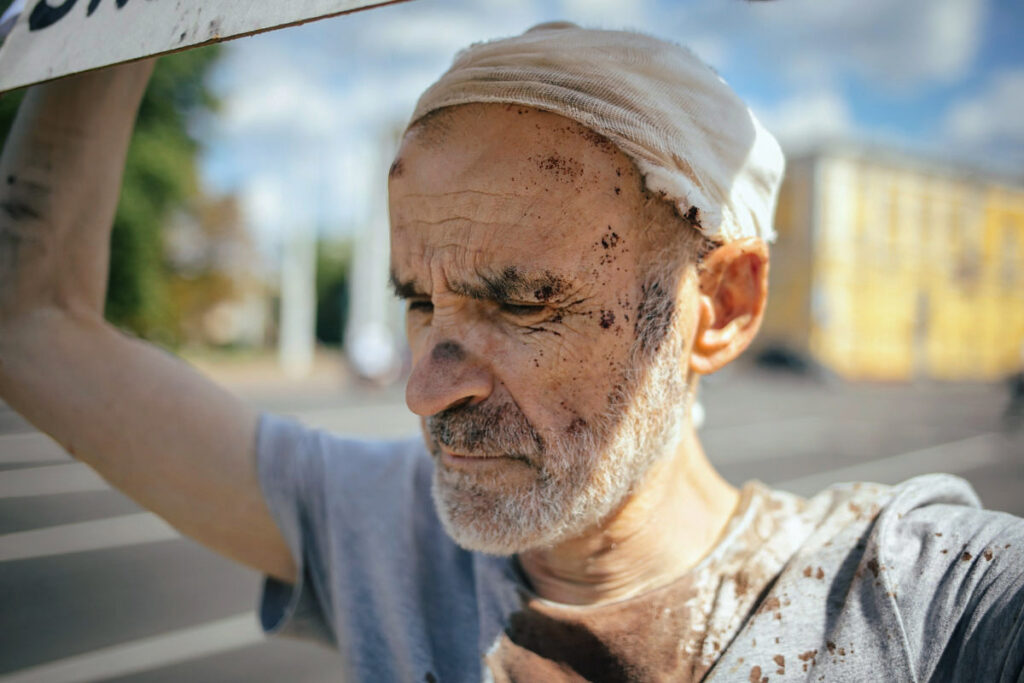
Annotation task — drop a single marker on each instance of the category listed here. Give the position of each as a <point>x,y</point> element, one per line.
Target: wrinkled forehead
<point>510,146</point>
<point>507,181</point>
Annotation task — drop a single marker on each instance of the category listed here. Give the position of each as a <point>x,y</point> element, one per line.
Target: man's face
<point>546,363</point>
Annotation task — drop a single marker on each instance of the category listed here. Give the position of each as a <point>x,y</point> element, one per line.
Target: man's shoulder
<point>908,527</point>
<point>909,541</point>
<point>901,573</point>
<point>941,556</point>
<point>858,514</point>
<point>866,500</point>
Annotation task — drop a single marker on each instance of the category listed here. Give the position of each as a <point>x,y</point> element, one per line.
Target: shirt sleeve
<point>348,510</point>
<point>286,466</point>
<point>957,581</point>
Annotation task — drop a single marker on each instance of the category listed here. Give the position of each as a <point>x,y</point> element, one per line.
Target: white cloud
<point>711,49</point>
<point>991,116</point>
<point>441,31</point>
<point>808,118</point>
<point>282,105</point>
<point>897,44</point>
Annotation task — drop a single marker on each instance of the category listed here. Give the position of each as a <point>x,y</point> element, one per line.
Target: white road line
<point>33,458</point>
<point>17,436</point>
<point>951,457</point>
<point>31,447</point>
<point>146,653</point>
<point>112,532</point>
<point>43,481</point>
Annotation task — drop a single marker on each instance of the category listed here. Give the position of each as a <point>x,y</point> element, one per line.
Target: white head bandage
<point>690,136</point>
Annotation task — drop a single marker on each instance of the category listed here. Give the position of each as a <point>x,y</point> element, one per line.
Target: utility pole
<point>297,335</point>
<point>370,335</point>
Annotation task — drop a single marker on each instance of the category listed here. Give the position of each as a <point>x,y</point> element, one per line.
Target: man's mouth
<point>477,432</point>
<point>463,456</point>
<point>476,462</point>
<point>459,461</point>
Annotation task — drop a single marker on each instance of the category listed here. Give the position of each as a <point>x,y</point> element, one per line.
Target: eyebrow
<point>405,289</point>
<point>508,284</point>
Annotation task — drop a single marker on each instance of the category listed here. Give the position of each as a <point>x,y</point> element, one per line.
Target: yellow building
<point>889,268</point>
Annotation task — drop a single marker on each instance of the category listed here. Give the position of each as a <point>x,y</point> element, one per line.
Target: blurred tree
<point>215,273</point>
<point>332,270</point>
<point>160,176</point>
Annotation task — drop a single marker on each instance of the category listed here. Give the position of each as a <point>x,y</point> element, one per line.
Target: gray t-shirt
<point>860,582</point>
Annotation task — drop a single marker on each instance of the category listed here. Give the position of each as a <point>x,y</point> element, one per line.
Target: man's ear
<point>733,291</point>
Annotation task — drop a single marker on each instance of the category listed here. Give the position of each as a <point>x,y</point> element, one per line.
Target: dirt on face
<point>565,169</point>
<point>513,208</point>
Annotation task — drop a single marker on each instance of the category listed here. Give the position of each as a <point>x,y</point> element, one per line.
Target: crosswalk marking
<point>111,532</point>
<point>30,447</point>
<point>42,481</point>
<point>145,654</point>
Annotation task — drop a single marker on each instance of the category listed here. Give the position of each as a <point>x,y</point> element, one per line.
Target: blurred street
<point>94,588</point>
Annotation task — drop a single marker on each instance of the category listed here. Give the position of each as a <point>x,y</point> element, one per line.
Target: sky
<point>310,113</point>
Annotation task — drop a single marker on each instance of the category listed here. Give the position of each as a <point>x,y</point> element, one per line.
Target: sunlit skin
<point>505,191</point>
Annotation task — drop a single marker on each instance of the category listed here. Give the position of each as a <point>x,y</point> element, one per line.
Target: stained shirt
<point>912,582</point>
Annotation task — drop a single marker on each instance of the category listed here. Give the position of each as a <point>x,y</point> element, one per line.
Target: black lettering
<point>93,4</point>
<point>44,15</point>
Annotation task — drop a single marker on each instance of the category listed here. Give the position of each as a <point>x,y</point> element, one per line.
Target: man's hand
<point>154,428</point>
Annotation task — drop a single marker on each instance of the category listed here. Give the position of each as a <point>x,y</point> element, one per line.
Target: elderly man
<point>579,227</point>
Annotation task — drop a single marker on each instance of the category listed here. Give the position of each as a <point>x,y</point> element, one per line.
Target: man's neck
<point>666,527</point>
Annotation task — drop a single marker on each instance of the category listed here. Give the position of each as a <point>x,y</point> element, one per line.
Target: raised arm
<point>149,424</point>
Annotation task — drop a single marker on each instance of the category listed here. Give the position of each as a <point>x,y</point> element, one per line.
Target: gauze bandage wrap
<point>690,136</point>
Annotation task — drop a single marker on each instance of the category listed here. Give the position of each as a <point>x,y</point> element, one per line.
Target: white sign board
<point>53,38</point>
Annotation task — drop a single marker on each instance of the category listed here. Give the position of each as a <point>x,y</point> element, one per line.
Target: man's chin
<point>484,521</point>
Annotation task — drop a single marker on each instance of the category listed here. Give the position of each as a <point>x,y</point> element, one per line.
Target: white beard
<point>573,480</point>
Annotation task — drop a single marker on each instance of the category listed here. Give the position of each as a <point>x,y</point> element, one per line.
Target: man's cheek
<point>567,397</point>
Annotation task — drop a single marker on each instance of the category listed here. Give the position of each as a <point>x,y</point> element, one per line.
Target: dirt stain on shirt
<point>673,633</point>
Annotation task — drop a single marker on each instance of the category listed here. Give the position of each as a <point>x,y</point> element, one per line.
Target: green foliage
<point>332,271</point>
<point>160,175</point>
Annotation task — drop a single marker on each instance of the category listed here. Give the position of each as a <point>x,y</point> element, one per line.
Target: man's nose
<point>445,376</point>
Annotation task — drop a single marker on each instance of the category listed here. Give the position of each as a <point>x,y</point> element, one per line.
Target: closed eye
<point>515,310</point>
<point>522,310</point>
<point>421,305</point>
